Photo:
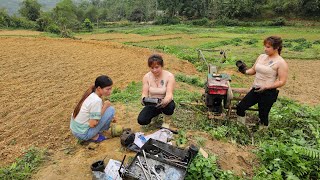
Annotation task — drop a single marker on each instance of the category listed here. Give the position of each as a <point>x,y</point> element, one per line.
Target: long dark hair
<point>275,42</point>
<point>101,81</point>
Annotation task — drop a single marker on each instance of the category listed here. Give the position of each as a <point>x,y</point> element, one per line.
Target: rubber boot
<point>241,119</point>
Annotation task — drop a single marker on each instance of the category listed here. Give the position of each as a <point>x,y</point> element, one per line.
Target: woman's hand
<point>114,120</point>
<point>164,102</point>
<point>93,123</point>
<point>106,104</point>
<point>260,89</point>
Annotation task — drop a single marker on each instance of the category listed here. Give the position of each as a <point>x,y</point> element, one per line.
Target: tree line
<point>68,15</point>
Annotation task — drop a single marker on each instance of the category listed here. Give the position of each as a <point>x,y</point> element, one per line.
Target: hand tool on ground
<point>145,159</point>
<point>144,172</point>
<point>155,173</point>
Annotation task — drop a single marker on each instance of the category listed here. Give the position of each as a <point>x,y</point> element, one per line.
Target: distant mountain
<point>13,5</point>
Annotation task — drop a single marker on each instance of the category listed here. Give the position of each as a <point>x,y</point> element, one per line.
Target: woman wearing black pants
<point>271,72</point>
<point>157,83</point>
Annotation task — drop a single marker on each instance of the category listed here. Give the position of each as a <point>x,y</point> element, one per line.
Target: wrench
<point>155,173</point>
<point>144,172</point>
<point>145,159</point>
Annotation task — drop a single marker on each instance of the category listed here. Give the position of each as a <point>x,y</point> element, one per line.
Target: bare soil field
<point>303,81</point>
<point>42,79</point>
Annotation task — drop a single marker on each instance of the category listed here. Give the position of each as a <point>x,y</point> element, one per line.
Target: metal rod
<point>203,58</point>
<point>155,173</point>
<point>145,159</point>
<point>144,172</point>
<point>122,164</point>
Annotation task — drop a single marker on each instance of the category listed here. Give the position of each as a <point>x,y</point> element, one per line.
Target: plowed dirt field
<point>42,79</point>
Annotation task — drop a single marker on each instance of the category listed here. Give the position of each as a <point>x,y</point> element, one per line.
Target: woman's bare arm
<point>145,87</point>
<point>169,93</point>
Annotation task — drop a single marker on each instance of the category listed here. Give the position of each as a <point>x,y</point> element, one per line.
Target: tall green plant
<point>30,9</point>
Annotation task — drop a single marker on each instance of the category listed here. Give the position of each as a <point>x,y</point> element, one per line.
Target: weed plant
<point>24,166</point>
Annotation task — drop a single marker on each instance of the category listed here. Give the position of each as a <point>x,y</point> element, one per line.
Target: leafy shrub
<point>87,25</point>
<point>5,19</point>
<point>287,44</point>
<point>290,147</point>
<point>23,167</point>
<point>219,132</point>
<point>166,20</point>
<point>43,22</point>
<point>192,80</point>
<point>281,161</point>
<point>316,42</point>
<point>299,40</point>
<point>67,33</point>
<point>251,41</point>
<point>207,169</point>
<point>137,15</point>
<point>227,22</point>
<point>200,22</point>
<point>278,22</point>
<point>297,48</point>
<point>20,22</point>
<point>182,138</point>
<point>53,28</point>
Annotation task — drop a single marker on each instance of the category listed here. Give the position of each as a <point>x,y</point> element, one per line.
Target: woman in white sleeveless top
<point>157,83</point>
<point>271,72</point>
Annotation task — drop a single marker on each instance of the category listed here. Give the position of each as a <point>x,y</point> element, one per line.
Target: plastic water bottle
<point>142,138</point>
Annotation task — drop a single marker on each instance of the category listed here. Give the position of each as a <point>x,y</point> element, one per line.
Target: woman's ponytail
<point>84,96</point>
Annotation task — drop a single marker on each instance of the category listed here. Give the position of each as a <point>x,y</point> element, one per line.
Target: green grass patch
<point>132,93</point>
<point>24,166</point>
<point>191,80</point>
<point>207,168</point>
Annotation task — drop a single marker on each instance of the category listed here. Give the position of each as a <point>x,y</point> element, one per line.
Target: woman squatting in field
<point>92,116</point>
<point>157,83</point>
<point>271,72</point>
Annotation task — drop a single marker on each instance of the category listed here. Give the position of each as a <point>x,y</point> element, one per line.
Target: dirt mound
<point>42,79</point>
